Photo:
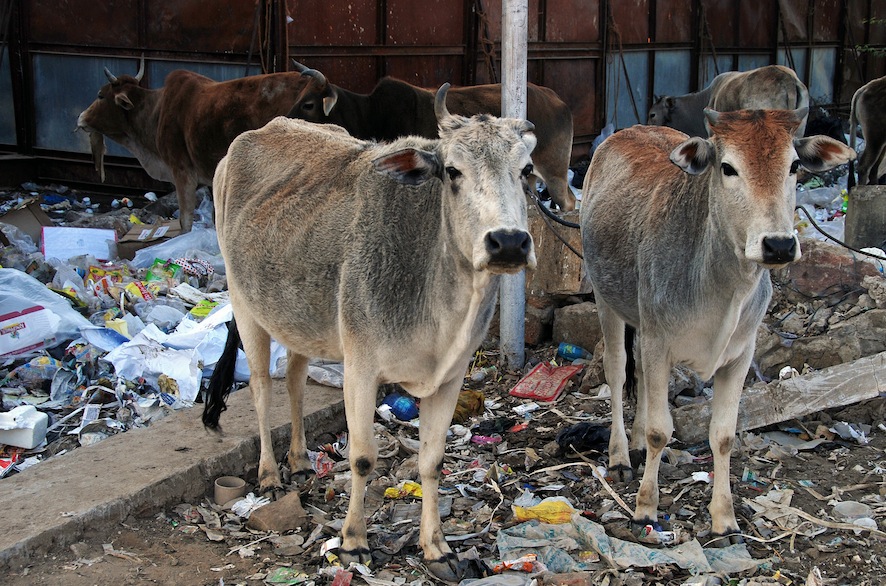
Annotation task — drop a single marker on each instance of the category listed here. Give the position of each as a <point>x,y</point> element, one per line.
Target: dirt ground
<point>170,548</point>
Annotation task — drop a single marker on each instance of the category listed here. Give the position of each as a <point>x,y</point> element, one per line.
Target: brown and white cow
<point>869,110</point>
<point>384,255</point>
<point>396,108</point>
<point>770,87</point>
<point>679,235</point>
<point>180,132</point>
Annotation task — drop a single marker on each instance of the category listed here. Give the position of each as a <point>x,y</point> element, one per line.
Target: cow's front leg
<point>257,346</point>
<point>296,377</point>
<point>614,362</point>
<point>659,428</point>
<point>360,390</point>
<point>728,383</point>
<point>435,418</point>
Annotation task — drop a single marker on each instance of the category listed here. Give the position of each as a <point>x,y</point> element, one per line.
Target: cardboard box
<point>28,217</point>
<point>142,236</point>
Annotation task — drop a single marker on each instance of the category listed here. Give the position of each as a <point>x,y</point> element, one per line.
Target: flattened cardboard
<point>28,217</point>
<point>63,242</point>
<point>142,236</point>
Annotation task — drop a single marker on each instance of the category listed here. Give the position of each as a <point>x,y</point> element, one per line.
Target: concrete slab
<point>145,470</point>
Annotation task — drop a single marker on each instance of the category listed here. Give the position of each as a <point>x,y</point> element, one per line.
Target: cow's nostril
<point>778,250</point>
<point>508,247</point>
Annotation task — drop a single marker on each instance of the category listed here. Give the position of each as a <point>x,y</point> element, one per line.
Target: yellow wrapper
<point>552,511</point>
<point>407,488</point>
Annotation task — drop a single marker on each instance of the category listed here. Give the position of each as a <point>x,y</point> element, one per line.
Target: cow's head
<point>483,163</point>
<point>660,112</point>
<point>752,158</point>
<point>317,98</point>
<point>108,114</point>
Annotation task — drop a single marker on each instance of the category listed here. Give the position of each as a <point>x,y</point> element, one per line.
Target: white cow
<point>385,256</point>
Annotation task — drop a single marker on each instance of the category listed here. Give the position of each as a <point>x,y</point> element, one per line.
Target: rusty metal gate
<point>605,58</point>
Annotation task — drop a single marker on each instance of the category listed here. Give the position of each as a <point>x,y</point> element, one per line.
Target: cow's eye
<point>728,170</point>
<point>453,173</point>
<point>527,170</point>
<point>307,106</point>
<point>794,167</point>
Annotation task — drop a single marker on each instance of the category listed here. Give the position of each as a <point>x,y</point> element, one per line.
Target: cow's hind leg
<point>638,429</point>
<point>360,389</point>
<point>614,361</point>
<point>257,346</point>
<point>728,383</point>
<point>296,377</point>
<point>435,418</point>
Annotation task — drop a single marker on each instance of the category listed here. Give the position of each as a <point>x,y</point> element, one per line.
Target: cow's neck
<point>141,141</point>
<point>691,119</point>
<point>353,113</point>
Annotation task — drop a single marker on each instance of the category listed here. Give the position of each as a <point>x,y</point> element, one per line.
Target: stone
<point>281,515</point>
<point>823,269</point>
<point>537,324</point>
<point>559,270</point>
<point>578,324</point>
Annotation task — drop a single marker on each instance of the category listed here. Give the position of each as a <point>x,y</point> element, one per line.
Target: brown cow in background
<point>181,131</point>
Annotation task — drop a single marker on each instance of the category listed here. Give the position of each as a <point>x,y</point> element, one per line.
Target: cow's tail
<point>853,124</point>
<point>631,364</point>
<point>222,380</point>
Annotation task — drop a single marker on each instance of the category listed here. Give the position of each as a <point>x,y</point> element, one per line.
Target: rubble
<point>524,491</point>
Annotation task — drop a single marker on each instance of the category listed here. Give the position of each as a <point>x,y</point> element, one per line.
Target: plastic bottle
<point>402,406</point>
<point>573,352</point>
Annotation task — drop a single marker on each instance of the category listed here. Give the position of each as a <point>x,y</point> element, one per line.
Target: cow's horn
<point>111,77</point>
<point>440,102</point>
<point>315,74</point>
<point>141,69</point>
<point>298,66</point>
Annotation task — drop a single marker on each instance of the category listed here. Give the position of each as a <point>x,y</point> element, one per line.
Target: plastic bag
<point>198,243</point>
<point>19,292</point>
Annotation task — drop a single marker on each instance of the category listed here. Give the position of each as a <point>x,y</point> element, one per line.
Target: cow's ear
<point>409,166</point>
<point>526,130</point>
<point>694,155</point>
<point>123,101</point>
<point>820,153</point>
<point>669,102</point>
<point>330,101</point>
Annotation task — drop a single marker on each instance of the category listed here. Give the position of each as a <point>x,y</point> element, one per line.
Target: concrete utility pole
<point>512,297</point>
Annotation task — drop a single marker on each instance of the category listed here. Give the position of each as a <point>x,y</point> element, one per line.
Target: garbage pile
<point>92,344</point>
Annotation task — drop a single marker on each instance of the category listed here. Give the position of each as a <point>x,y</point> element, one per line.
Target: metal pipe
<point>512,295</point>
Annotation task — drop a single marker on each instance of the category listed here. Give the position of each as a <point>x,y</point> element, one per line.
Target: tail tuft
<point>222,380</point>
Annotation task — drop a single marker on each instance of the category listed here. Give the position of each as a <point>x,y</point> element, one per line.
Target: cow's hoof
<point>621,473</point>
<point>358,555</point>
<point>274,492</point>
<point>445,568</point>
<point>724,539</point>
<point>637,457</point>
<point>301,476</point>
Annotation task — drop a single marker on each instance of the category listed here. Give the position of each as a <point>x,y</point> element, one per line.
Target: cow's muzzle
<point>779,250</point>
<point>508,250</point>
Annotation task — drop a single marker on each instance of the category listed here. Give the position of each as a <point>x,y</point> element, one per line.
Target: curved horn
<point>298,66</point>
<point>111,77</point>
<point>315,74</point>
<point>440,102</point>
<point>141,69</point>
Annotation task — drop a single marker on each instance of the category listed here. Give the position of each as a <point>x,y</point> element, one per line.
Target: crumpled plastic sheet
<point>553,543</point>
<point>198,243</point>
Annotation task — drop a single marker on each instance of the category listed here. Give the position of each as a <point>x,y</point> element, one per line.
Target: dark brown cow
<point>396,108</point>
<point>181,131</point>
<point>869,110</point>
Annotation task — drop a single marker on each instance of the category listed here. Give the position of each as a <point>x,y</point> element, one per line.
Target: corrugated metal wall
<point>605,58</point>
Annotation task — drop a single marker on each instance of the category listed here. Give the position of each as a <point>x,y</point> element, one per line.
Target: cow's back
<point>773,87</point>
<point>200,117</point>
<point>639,207</point>
<point>315,187</point>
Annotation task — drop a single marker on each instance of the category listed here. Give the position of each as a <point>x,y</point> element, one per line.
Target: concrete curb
<point>145,470</point>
